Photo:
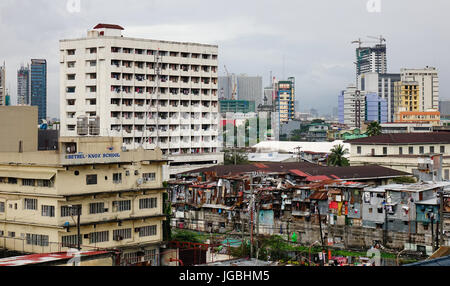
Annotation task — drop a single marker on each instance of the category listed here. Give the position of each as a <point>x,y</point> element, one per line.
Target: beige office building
<point>120,194</point>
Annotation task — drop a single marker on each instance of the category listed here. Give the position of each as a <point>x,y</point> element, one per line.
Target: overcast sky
<point>313,37</point>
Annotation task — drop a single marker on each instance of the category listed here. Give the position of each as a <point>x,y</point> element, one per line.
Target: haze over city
<point>309,40</point>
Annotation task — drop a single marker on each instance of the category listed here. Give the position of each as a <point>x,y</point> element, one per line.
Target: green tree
<point>336,158</point>
<point>373,129</point>
<point>235,158</point>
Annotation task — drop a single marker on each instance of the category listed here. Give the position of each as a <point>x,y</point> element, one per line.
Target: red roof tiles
<point>108,26</point>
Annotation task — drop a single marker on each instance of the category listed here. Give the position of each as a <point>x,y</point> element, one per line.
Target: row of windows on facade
<point>410,150</point>
<point>149,65</point>
<point>94,237</point>
<point>94,208</point>
<point>28,182</point>
<point>103,236</point>
<point>149,52</point>
<point>152,89</point>
<point>117,178</point>
<point>152,77</point>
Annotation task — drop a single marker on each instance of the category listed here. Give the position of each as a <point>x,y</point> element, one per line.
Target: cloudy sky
<point>312,38</point>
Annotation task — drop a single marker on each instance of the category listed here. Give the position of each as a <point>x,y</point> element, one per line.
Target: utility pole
<point>78,210</point>
<point>321,235</point>
<point>432,231</point>
<point>441,216</point>
<point>252,200</point>
<point>386,224</point>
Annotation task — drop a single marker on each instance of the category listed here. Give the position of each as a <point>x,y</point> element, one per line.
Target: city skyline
<point>248,42</point>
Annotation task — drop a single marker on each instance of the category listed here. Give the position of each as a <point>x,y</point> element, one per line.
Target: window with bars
<point>30,204</point>
<point>149,177</point>
<point>148,203</point>
<point>2,207</point>
<point>70,211</point>
<point>96,237</point>
<point>45,183</point>
<point>91,179</point>
<point>28,182</point>
<point>48,211</point>
<point>120,234</point>
<point>97,208</point>
<point>37,239</point>
<point>147,231</point>
<point>117,178</point>
<point>120,206</point>
<point>71,240</point>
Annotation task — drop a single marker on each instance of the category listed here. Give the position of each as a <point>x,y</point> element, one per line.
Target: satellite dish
<point>140,181</point>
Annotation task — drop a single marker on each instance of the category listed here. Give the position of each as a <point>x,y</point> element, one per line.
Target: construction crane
<point>232,83</point>
<point>380,38</point>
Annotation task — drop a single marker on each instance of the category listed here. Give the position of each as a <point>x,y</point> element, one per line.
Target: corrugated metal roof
<point>44,258</point>
<point>405,138</point>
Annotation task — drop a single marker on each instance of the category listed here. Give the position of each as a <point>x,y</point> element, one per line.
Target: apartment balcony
<point>166,108</point>
<point>184,144</point>
<point>195,85</point>
<point>127,108</point>
<point>206,97</point>
<point>115,133</point>
<point>206,74</point>
<point>176,133</point>
<point>151,121</point>
<point>162,133</point>
<point>127,132</point>
<point>196,132</point>
<point>206,85</point>
<point>163,145</point>
<point>174,72</point>
<point>140,108</point>
<point>138,134</point>
<point>115,121</point>
<point>182,108</point>
<point>115,69</point>
<point>175,121</point>
<point>174,145</point>
<point>164,96</point>
<point>196,144</point>
<point>127,121</point>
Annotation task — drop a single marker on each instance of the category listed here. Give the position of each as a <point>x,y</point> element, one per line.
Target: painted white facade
<point>115,79</point>
<point>428,81</point>
<point>354,107</point>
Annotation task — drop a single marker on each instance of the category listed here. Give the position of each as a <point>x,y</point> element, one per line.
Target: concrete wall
<point>18,123</point>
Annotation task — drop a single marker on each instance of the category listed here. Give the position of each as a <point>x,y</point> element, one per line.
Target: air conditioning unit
<point>139,181</point>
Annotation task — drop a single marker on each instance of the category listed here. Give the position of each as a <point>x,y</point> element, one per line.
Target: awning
<point>27,175</point>
<point>210,206</point>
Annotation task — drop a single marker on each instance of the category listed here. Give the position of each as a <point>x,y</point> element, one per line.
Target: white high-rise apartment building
<point>152,93</point>
<point>351,108</point>
<point>428,81</point>
<point>2,84</point>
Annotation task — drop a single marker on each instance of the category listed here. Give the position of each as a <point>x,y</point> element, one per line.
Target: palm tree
<point>336,158</point>
<point>373,129</point>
